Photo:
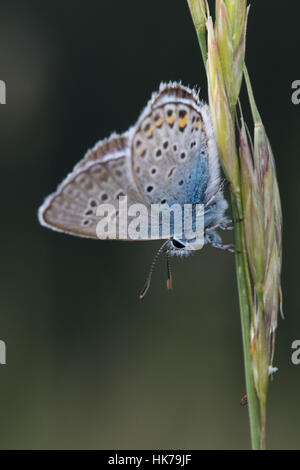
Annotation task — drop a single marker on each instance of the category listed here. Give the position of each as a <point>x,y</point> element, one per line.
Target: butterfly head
<point>180,248</point>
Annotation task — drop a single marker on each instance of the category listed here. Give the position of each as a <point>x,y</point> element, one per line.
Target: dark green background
<point>88,365</point>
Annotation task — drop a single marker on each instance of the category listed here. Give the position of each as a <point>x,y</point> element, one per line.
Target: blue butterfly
<point>168,158</point>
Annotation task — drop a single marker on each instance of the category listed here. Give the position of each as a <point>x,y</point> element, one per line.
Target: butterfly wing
<point>169,156</point>
<point>101,177</point>
<point>173,151</point>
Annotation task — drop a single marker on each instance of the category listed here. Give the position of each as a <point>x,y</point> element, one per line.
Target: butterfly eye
<point>177,244</point>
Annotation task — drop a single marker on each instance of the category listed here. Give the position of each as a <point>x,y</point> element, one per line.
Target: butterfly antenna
<point>148,280</point>
<point>170,279</point>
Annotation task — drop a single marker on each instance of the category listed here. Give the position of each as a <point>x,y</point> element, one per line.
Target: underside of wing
<point>102,177</point>
<point>168,157</point>
<point>173,151</point>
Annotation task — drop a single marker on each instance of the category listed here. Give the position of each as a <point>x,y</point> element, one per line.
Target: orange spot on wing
<point>171,120</point>
<point>142,152</point>
<point>183,121</point>
<point>150,133</point>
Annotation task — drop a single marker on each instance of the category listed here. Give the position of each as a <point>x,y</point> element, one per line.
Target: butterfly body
<point>168,157</point>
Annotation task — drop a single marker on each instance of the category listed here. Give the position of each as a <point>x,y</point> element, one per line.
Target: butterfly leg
<point>226,225</point>
<point>215,240</point>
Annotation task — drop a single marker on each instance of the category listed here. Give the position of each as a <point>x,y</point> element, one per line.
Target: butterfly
<point>169,157</point>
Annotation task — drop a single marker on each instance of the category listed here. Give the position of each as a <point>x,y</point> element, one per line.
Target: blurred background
<point>89,366</point>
